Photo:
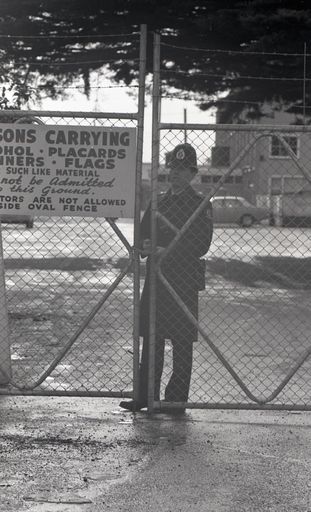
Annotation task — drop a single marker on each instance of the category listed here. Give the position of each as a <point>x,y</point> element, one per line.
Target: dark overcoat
<point>180,267</point>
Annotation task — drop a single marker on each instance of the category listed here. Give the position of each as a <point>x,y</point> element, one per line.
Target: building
<point>265,175</point>
<point>270,174</point>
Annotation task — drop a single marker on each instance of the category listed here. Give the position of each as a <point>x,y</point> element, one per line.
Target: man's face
<point>180,177</point>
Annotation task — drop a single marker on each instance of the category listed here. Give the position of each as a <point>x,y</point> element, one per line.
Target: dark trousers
<point>177,389</point>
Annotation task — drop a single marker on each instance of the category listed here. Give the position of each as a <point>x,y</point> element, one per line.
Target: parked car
<point>237,210</point>
<point>6,218</point>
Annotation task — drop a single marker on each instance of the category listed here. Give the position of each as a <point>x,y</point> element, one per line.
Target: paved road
<point>85,455</point>
<point>77,455</point>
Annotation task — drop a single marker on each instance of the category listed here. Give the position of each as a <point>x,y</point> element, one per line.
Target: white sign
<point>62,170</point>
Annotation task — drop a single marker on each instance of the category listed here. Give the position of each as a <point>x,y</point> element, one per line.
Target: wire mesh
<point>57,270</point>
<point>253,317</point>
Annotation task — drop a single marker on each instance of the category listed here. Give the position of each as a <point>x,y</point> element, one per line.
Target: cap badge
<point>180,155</point>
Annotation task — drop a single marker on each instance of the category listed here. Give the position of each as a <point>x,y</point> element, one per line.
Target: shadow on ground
<point>70,264</point>
<point>65,264</point>
<point>283,272</point>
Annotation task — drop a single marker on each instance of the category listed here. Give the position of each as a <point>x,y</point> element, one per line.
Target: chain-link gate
<point>72,284</point>
<point>69,292</point>
<point>253,322</point>
<point>253,348</point>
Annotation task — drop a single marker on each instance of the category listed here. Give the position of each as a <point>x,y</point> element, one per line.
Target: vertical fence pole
<point>154,202</point>
<point>5,355</point>
<point>304,83</point>
<point>139,159</point>
<point>185,122</point>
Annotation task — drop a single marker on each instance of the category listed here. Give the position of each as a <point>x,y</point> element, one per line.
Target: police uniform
<point>182,269</point>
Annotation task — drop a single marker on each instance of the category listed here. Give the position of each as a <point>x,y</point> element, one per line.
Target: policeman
<point>182,268</point>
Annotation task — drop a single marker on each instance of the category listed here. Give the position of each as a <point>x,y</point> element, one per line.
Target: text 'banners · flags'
<point>62,170</point>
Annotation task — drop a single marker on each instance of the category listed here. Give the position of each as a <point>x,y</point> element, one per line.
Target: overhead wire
<point>93,86</point>
<point>237,77</point>
<point>209,50</point>
<point>164,71</point>
<point>72,36</point>
<point>60,63</point>
<point>232,52</point>
<point>246,53</point>
<point>219,100</point>
<point>238,52</point>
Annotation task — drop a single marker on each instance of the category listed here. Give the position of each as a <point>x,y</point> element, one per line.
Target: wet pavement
<point>87,455</point>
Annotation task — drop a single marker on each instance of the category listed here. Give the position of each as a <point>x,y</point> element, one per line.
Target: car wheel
<point>247,221</point>
<point>29,224</point>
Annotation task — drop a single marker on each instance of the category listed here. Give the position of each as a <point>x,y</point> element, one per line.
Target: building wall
<point>265,162</point>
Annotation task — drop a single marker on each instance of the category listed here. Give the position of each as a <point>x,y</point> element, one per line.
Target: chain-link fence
<point>238,323</point>
<point>69,293</point>
<point>253,347</point>
<point>69,286</point>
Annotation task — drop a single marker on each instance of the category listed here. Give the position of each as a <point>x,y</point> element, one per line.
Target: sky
<point>117,99</point>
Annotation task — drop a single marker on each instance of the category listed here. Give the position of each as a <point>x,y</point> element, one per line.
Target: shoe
<point>132,405</point>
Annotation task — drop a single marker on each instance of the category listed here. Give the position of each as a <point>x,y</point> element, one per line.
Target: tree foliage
<point>251,52</point>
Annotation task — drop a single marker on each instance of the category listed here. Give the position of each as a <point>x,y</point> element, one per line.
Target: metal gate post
<point>154,199</point>
<point>139,158</point>
<point>5,354</point>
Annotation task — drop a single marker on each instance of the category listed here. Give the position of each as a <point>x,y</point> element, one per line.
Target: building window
<point>216,178</point>
<point>277,150</point>
<point>229,179</point>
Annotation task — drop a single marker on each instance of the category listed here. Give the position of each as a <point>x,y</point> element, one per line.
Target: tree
<point>251,52</point>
